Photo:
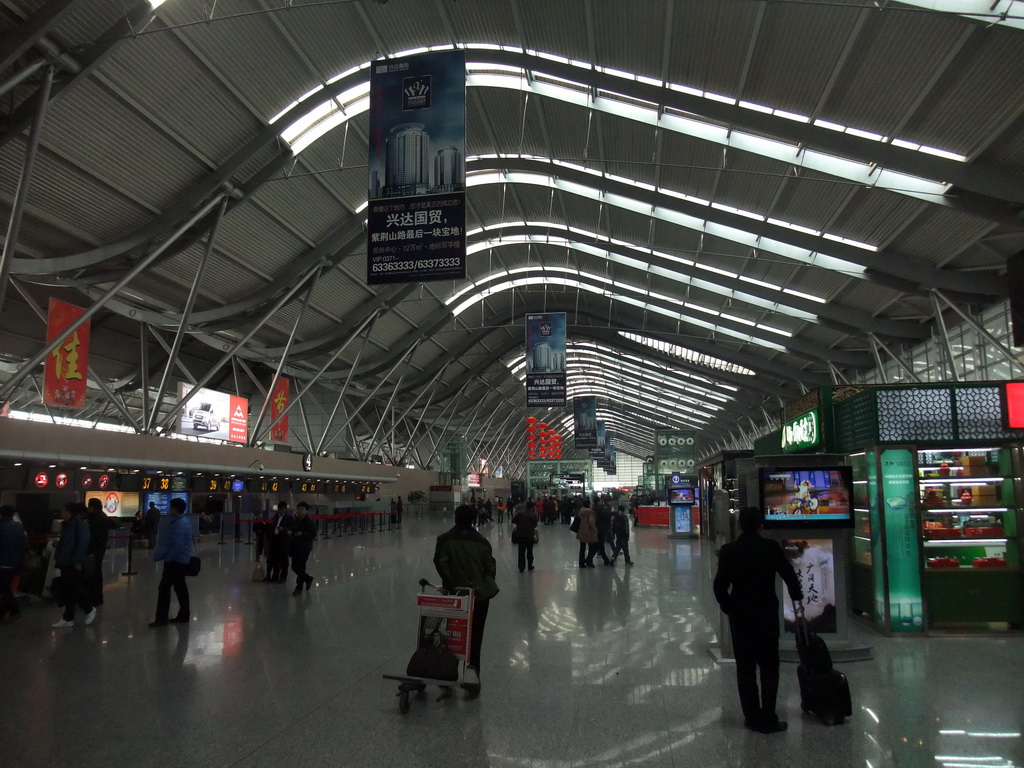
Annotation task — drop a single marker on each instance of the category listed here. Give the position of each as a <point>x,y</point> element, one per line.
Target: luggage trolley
<point>443,630</point>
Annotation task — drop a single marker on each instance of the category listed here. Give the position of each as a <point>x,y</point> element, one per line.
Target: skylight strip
<point>637,302</point>
<point>733,234</point>
<point>648,363</point>
<point>681,389</point>
<point>514,77</point>
<point>652,396</point>
<point>644,384</point>
<point>601,388</point>
<point>677,389</point>
<point>686,354</point>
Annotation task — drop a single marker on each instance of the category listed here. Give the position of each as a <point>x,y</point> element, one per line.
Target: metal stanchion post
<point>221,514</point>
<point>129,572</point>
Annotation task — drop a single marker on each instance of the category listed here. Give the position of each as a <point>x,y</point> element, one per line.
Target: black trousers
<point>8,604</point>
<point>299,568</point>
<point>173,576</point>
<point>756,649</point>
<point>601,539</point>
<point>525,554</point>
<point>72,584</point>
<point>476,639</point>
<point>94,581</point>
<point>587,552</point>
<point>621,545</point>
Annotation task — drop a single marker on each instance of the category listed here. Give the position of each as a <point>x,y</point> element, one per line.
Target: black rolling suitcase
<point>823,690</point>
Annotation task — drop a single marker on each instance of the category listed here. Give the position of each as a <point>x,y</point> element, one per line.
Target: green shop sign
<point>801,433</point>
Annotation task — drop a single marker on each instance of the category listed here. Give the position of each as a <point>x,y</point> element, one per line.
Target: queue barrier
<point>336,524</point>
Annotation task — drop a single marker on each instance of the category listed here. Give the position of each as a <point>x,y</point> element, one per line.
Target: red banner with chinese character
<point>67,366</point>
<point>278,402</point>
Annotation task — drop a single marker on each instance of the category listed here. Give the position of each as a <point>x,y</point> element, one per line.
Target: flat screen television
<point>682,495</point>
<point>807,497</point>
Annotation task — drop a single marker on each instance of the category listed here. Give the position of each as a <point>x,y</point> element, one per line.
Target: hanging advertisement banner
<point>214,414</point>
<point>675,451</point>
<point>584,416</point>
<point>66,368</point>
<point>597,452</point>
<point>545,359</point>
<point>814,563</point>
<point>278,402</point>
<point>902,541</point>
<point>416,217</point>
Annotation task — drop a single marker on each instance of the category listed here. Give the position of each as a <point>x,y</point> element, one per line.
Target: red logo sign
<point>1015,405</point>
<point>238,419</point>
<point>104,481</point>
<point>61,480</point>
<point>278,402</point>
<point>42,480</point>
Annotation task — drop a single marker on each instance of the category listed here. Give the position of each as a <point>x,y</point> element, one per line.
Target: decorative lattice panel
<point>855,422</point>
<point>979,414</point>
<point>914,415</point>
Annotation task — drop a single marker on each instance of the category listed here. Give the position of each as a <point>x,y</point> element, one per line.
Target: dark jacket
<point>99,532</point>
<point>304,530</point>
<point>620,527</point>
<point>604,521</point>
<point>73,545</point>
<point>277,529</point>
<point>175,545</point>
<point>12,542</point>
<point>526,524</point>
<point>463,559</point>
<point>745,583</point>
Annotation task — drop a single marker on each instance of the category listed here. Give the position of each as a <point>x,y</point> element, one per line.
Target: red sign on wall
<point>66,369</point>
<point>238,420</point>
<point>278,402</point>
<point>1015,404</point>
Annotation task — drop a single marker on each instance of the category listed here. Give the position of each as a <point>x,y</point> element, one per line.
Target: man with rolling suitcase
<point>745,589</point>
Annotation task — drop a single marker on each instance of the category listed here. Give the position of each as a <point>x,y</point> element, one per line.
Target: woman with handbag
<point>524,533</point>
<point>175,549</point>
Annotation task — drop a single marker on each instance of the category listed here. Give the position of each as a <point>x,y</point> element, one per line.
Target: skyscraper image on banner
<point>584,411</point>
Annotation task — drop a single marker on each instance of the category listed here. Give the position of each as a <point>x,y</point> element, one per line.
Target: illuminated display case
<point>968,509</point>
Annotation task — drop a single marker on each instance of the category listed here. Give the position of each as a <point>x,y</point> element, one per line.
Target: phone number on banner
<point>418,264</point>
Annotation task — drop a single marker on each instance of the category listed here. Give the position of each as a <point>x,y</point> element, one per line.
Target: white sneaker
<point>90,617</point>
<point>62,624</point>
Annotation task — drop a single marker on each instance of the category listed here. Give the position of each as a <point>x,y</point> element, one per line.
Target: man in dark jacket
<point>151,524</point>
<point>72,558</point>
<point>99,532</point>
<point>175,549</point>
<point>463,558</point>
<point>277,534</point>
<point>300,544</point>
<point>12,550</point>
<point>604,529</point>
<point>745,588</point>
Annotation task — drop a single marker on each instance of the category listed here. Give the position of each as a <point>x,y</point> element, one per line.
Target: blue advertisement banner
<point>416,217</point>
<point>584,411</point>
<point>545,359</point>
<point>597,453</point>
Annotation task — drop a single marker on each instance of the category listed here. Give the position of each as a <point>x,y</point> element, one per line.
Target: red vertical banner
<point>67,366</point>
<point>278,402</point>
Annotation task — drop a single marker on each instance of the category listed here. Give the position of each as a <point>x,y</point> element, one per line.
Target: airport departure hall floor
<point>601,667</point>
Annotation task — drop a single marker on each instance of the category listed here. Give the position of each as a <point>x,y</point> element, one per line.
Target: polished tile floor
<point>603,667</point>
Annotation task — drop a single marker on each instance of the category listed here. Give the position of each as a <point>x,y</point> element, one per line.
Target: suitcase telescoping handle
<point>801,626</point>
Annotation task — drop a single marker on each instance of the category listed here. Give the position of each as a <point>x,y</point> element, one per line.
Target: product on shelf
<point>942,562</point>
<point>989,562</point>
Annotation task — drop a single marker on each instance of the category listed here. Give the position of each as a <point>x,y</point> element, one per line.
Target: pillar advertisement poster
<point>584,412</point>
<point>545,359</point>
<point>902,541</point>
<point>66,368</point>
<point>814,563</point>
<point>416,217</point>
